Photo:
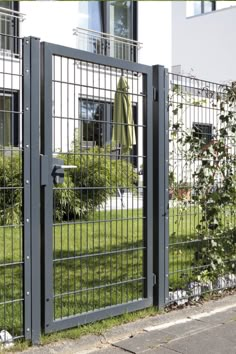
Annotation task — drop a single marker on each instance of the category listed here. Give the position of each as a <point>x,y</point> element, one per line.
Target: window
<point>120,19</point>
<point>96,127</point>
<point>93,123</point>
<point>203,132</point>
<point>194,8</point>
<point>199,7</point>
<point>9,119</point>
<point>9,26</point>
<point>117,18</point>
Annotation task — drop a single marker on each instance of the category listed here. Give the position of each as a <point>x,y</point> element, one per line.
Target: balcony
<point>9,31</point>
<point>107,44</point>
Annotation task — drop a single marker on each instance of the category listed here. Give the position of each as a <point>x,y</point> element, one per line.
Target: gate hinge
<point>155,94</point>
<point>44,170</point>
<point>154,279</point>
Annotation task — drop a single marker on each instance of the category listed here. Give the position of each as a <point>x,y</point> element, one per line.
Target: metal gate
<point>96,186</point>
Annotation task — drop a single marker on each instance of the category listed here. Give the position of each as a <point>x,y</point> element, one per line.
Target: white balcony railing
<point>107,44</point>
<point>9,30</point>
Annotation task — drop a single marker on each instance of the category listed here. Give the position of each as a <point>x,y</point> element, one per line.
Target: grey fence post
<point>160,185</point>
<point>35,190</point>
<point>31,97</point>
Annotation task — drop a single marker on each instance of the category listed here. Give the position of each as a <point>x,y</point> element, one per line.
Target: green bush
<point>10,189</point>
<point>97,177</point>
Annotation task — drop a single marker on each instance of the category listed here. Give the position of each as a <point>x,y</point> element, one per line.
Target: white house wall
<point>54,21</point>
<point>204,45</point>
<point>154,31</point>
<point>51,21</point>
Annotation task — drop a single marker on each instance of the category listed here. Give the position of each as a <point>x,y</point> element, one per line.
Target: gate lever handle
<point>64,167</point>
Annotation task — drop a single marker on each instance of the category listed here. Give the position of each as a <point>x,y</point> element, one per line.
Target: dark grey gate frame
<point>47,52</point>
<point>38,285</point>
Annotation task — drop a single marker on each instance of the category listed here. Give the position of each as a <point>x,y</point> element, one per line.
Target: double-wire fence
<point>11,179</point>
<point>202,223</point>
<point>98,191</point>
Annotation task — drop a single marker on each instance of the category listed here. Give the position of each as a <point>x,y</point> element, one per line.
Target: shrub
<point>96,178</point>
<point>10,189</point>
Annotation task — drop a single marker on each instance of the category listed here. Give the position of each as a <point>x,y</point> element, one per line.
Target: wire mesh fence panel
<point>201,187</point>
<point>11,179</point>
<point>99,207</point>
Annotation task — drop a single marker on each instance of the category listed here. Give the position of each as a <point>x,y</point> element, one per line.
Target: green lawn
<point>184,243</point>
<point>97,262</point>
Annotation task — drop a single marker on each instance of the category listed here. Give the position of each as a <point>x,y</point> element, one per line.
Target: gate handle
<point>64,167</point>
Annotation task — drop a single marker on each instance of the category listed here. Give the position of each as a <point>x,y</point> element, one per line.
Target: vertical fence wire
<point>11,179</point>
<point>202,159</point>
<point>98,236</point>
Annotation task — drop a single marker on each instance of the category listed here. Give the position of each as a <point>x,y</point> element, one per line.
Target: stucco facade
<point>203,45</point>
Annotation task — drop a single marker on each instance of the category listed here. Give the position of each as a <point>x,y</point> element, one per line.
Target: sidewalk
<point>201,329</point>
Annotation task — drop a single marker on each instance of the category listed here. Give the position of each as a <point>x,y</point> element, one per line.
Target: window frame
<point>15,117</point>
<point>14,6</point>
<point>133,18</point>
<point>203,137</point>
<point>203,12</point>
<point>105,24</point>
<point>106,125</point>
<point>213,7</point>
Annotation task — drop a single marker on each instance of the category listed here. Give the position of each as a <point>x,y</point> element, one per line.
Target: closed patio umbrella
<point>123,126</point>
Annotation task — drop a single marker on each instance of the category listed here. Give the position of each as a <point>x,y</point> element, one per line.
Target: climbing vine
<point>212,165</point>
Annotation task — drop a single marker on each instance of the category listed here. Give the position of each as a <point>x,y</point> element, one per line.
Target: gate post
<point>32,255</point>
<point>160,185</point>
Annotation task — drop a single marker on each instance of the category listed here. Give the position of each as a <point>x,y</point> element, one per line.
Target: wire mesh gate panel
<point>96,140</point>
<point>201,187</point>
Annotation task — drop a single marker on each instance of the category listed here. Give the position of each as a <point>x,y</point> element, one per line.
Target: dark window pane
<point>92,116</point>
<point>7,26</point>
<point>5,120</point>
<point>120,19</point>
<point>203,132</point>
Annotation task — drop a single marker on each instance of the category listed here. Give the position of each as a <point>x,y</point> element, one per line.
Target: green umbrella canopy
<point>123,126</point>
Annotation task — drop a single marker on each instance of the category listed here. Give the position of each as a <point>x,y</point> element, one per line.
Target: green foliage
<point>10,189</point>
<point>214,179</point>
<point>97,177</point>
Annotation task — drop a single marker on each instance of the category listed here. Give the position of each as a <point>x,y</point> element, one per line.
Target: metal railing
<point>9,31</point>
<point>107,44</point>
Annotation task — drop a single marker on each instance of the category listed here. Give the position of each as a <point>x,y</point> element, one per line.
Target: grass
<point>97,263</point>
<point>96,328</point>
<point>185,244</point>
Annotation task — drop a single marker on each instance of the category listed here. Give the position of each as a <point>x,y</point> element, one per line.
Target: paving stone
<point>160,350</point>
<point>188,328</point>
<point>145,341</point>
<point>218,340</point>
<point>111,350</point>
<point>220,318</point>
